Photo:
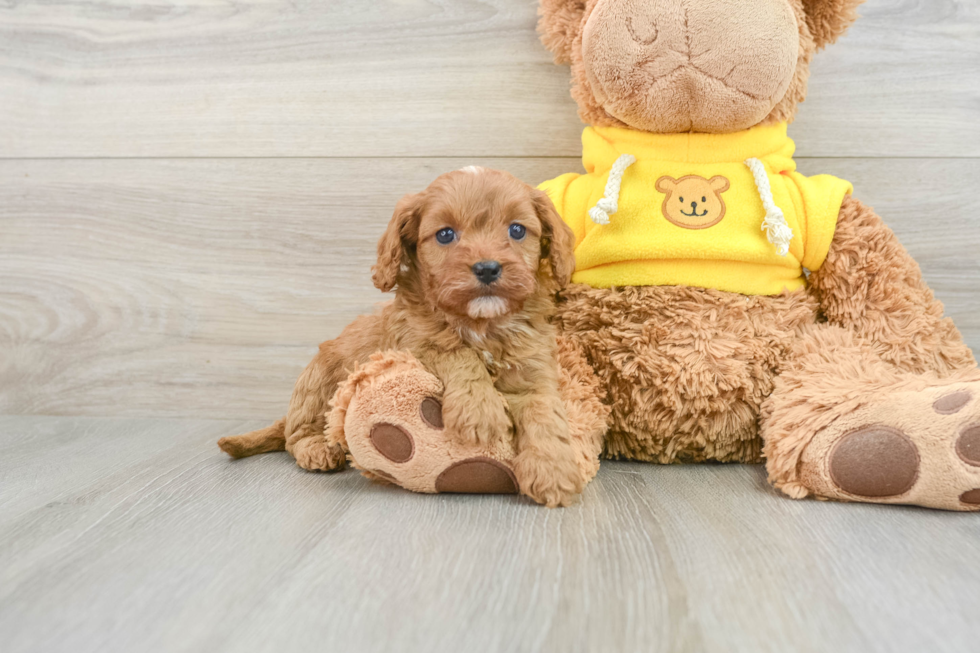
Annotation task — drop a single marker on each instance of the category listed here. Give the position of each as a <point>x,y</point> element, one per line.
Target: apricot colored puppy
<point>476,259</point>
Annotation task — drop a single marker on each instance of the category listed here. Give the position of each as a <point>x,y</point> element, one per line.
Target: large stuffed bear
<point>734,309</point>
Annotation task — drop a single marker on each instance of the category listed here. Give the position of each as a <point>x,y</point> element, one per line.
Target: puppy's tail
<point>271,438</point>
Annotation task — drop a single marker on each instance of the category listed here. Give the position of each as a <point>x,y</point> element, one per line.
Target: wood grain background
<point>190,192</point>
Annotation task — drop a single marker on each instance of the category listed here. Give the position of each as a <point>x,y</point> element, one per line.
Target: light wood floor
<point>190,196</point>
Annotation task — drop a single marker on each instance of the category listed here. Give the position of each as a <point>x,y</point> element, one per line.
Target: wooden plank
<point>904,68</point>
<point>418,78</point>
<point>152,540</point>
<point>200,288</point>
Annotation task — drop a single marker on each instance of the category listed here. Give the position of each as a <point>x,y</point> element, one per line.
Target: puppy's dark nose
<point>487,271</point>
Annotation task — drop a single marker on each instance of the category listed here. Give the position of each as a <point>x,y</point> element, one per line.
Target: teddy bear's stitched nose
<point>694,205</point>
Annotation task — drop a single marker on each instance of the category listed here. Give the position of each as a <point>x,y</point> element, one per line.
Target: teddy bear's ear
<point>829,19</point>
<point>559,23</point>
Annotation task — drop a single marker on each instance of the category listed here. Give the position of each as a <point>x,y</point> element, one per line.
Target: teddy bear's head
<point>671,66</point>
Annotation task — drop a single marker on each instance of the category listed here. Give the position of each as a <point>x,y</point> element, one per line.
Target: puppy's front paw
<point>551,480</point>
<point>477,417</point>
<point>314,454</point>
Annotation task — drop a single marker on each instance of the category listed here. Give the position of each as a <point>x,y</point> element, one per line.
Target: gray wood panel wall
<point>190,194</point>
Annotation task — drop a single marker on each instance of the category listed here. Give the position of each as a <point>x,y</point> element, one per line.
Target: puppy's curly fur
<point>491,344</point>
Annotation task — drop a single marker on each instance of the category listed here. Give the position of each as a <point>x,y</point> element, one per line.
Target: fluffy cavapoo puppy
<point>475,259</point>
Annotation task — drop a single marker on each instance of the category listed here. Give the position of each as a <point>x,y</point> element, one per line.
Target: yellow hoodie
<point>724,211</point>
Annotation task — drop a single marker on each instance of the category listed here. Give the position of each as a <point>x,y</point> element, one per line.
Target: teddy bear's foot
<point>389,417</point>
<point>917,446</point>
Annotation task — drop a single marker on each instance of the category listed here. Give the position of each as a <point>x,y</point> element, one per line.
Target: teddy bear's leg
<point>388,415</point>
<point>844,424</point>
<point>883,402</point>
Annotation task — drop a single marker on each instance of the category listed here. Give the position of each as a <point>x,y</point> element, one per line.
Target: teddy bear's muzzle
<point>711,66</point>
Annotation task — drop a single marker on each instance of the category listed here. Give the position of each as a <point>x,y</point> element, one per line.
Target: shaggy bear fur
<point>697,374</point>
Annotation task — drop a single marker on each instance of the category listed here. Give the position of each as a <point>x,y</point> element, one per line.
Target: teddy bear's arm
<point>871,285</point>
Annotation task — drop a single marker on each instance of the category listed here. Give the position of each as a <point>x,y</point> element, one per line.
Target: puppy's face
<point>479,245</point>
<point>474,241</point>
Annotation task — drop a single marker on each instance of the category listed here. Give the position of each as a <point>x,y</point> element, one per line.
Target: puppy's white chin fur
<point>485,308</point>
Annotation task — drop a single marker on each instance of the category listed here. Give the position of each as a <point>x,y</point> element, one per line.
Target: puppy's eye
<point>518,231</point>
<point>445,236</point>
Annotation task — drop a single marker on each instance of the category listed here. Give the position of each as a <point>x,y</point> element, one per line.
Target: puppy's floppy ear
<point>402,232</point>
<point>557,239</point>
<point>829,19</point>
<point>560,21</point>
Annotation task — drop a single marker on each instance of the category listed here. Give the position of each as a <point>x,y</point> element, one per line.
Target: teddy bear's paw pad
<point>479,475</point>
<point>968,449</point>
<point>968,445</point>
<point>393,442</point>
<point>431,411</point>
<point>971,498</point>
<point>952,403</point>
<point>875,461</point>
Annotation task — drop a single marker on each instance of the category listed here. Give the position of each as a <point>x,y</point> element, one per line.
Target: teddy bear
<point>732,308</point>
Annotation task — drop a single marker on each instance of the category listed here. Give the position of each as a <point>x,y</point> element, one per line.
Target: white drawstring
<point>609,204</point>
<point>777,230</point>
